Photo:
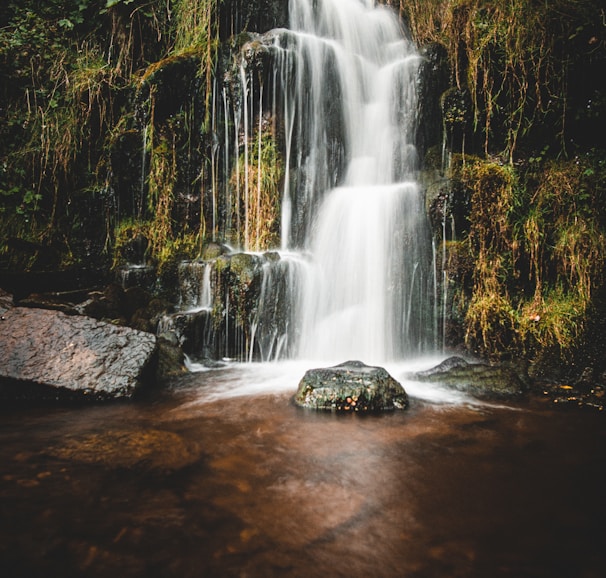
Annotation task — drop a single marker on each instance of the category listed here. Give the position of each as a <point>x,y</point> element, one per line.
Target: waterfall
<point>354,274</point>
<point>357,208</point>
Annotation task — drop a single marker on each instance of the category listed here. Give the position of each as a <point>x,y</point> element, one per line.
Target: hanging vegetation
<point>538,255</point>
<point>257,180</point>
<point>526,99</point>
<point>519,62</point>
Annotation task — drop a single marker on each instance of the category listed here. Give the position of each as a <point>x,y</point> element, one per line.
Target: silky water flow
<point>356,273</point>
<point>367,293</point>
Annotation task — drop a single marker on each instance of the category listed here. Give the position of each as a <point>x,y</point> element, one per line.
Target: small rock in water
<point>350,386</point>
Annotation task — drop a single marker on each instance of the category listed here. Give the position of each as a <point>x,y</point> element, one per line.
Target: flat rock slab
<point>47,355</point>
<point>350,386</point>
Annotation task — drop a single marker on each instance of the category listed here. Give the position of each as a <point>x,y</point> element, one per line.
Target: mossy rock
<point>350,386</point>
<point>245,267</point>
<point>212,251</point>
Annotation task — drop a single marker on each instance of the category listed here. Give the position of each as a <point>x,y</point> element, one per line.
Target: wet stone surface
<point>350,386</point>
<point>479,379</point>
<point>48,355</point>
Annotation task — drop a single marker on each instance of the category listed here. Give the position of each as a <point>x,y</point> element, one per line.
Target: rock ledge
<point>48,355</point>
<point>478,379</point>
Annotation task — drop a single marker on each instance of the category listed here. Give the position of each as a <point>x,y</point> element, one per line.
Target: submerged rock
<point>47,355</point>
<point>350,386</point>
<point>151,449</point>
<point>479,379</point>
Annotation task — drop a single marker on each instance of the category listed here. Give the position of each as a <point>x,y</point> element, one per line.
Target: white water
<point>239,380</point>
<point>360,212</point>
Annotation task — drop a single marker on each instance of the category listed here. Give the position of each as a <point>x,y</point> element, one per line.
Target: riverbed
<point>220,475</point>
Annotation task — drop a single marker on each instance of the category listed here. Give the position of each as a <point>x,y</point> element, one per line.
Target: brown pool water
<point>191,483</point>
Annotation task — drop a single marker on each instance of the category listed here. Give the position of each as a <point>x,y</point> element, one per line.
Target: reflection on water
<point>198,481</point>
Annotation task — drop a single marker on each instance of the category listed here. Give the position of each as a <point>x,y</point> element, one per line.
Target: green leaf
<point>111,3</point>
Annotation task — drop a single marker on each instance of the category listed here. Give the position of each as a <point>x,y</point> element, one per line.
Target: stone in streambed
<point>478,379</point>
<point>350,386</point>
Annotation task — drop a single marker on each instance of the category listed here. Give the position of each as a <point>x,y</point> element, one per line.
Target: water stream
<point>202,481</point>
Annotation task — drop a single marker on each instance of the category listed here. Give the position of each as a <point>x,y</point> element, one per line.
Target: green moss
<point>512,58</point>
<point>537,246</point>
<point>170,255</point>
<point>130,236</point>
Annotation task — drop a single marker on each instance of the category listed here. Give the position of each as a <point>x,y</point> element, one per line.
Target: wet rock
<point>135,249</point>
<point>108,304</point>
<point>47,355</point>
<point>6,301</point>
<point>446,365</point>
<point>135,298</point>
<point>171,359</point>
<point>434,79</point>
<point>42,301</point>
<point>245,267</point>
<point>134,307</point>
<point>478,379</point>
<point>213,250</point>
<point>350,386</point>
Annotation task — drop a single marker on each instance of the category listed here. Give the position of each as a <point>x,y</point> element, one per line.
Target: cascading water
<point>353,277</point>
<point>357,207</point>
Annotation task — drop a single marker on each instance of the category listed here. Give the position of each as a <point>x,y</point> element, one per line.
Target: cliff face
<point>514,176</point>
<point>111,113</point>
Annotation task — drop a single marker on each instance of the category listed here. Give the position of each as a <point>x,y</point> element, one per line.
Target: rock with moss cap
<point>350,386</point>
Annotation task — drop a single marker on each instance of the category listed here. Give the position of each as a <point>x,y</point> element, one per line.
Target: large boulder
<point>47,355</point>
<point>350,386</point>
<point>478,379</point>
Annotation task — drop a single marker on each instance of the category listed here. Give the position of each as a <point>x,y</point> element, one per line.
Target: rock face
<point>350,386</point>
<point>47,355</point>
<point>479,379</point>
